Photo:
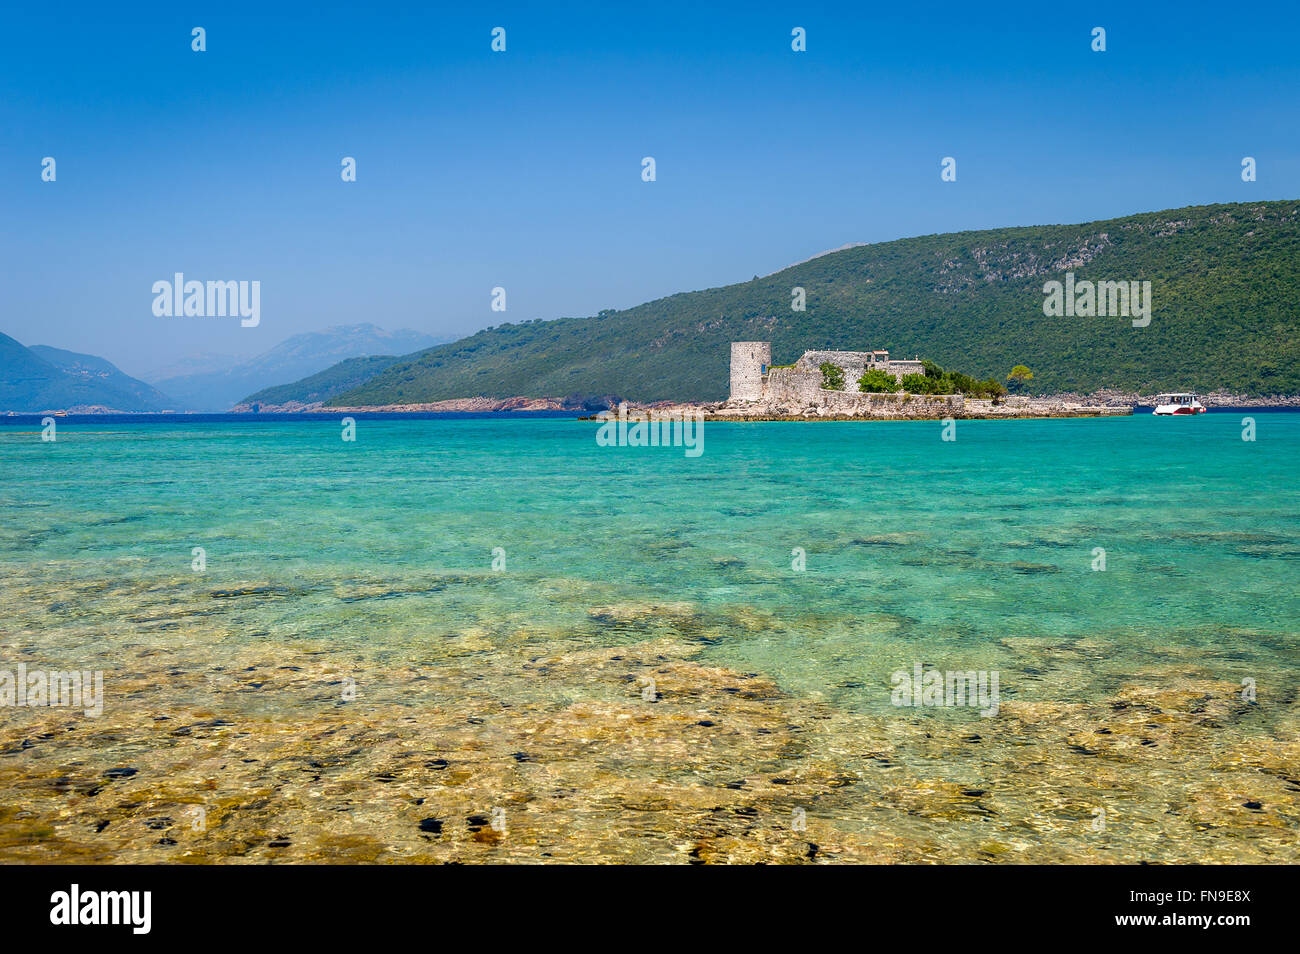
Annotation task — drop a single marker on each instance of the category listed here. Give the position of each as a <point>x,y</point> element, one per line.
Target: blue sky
<point>523,169</point>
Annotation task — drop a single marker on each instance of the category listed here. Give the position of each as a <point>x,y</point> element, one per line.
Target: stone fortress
<point>794,392</point>
<point>754,379</point>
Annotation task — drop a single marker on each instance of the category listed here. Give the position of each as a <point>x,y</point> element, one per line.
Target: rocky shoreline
<point>1101,403</point>
<point>917,408</point>
<point>1106,397</point>
<point>474,405</point>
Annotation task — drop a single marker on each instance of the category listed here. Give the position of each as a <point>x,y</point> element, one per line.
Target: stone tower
<point>749,360</point>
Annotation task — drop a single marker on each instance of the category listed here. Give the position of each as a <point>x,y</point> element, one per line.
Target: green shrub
<point>875,381</point>
<point>832,376</point>
<point>935,380</point>
<point>916,384</point>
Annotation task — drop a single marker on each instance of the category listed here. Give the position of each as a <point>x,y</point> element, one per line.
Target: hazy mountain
<point>1225,287</point>
<point>198,362</point>
<point>41,378</point>
<point>296,357</point>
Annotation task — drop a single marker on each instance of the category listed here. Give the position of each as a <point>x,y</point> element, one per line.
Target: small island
<point>856,385</point>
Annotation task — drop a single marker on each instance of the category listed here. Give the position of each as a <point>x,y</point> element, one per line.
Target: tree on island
<point>832,376</point>
<point>920,384</point>
<point>935,380</point>
<point>1019,377</point>
<point>875,381</point>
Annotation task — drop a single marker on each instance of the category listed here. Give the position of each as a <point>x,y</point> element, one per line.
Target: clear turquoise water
<point>973,554</point>
<point>953,543</point>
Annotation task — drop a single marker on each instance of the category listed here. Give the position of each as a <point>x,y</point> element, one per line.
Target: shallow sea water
<point>649,678</point>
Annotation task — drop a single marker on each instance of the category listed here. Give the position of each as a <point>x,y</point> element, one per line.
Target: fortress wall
<point>852,362</point>
<point>855,362</point>
<point>802,388</point>
<point>793,385</point>
<point>848,402</point>
<point>900,368</point>
<point>814,359</point>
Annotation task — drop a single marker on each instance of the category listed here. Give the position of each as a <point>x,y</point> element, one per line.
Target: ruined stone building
<point>754,379</point>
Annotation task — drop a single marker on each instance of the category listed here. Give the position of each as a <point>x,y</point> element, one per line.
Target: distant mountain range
<point>41,378</point>
<point>199,362</point>
<point>291,360</point>
<point>1225,283</point>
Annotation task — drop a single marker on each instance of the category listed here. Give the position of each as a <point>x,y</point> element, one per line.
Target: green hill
<point>326,384</point>
<point>1225,284</point>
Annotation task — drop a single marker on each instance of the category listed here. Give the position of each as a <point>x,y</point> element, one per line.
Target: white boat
<point>1169,404</point>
